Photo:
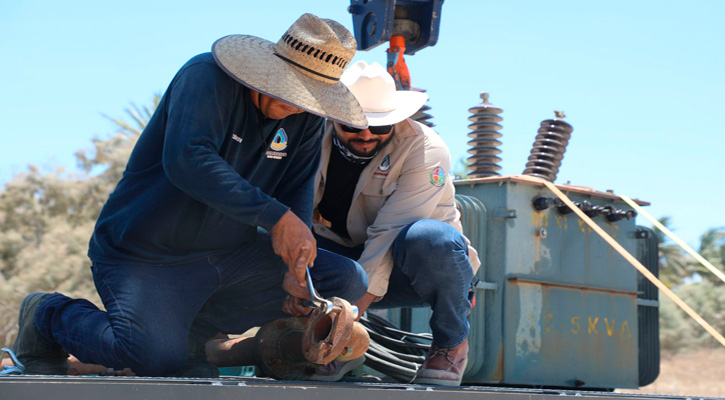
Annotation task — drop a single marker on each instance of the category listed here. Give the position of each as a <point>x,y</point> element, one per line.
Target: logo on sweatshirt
<point>279,143</point>
<point>438,177</point>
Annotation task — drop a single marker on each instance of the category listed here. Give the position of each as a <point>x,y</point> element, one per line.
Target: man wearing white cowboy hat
<point>210,221</point>
<point>383,197</point>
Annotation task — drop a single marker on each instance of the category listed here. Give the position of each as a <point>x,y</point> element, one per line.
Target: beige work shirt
<point>406,182</point>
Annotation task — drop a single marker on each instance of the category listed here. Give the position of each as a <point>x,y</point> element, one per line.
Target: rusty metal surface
<point>563,307</point>
<point>564,188</point>
<point>328,334</point>
<point>591,333</point>
<point>293,348</point>
<point>280,349</point>
<point>542,282</point>
<point>358,344</point>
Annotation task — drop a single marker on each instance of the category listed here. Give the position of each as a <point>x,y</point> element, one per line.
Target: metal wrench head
<point>318,301</point>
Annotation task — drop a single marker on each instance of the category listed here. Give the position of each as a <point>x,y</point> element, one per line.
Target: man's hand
<point>293,241</point>
<point>294,288</point>
<point>364,303</point>
<point>296,307</point>
<point>317,217</point>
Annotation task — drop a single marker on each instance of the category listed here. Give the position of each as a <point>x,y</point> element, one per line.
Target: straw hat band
<point>332,78</point>
<point>297,45</point>
<point>321,61</point>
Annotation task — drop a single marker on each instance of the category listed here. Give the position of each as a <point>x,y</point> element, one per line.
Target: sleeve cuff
<point>378,288</point>
<point>271,215</point>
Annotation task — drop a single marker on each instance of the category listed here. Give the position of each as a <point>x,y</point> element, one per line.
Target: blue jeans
<point>150,309</point>
<point>431,268</point>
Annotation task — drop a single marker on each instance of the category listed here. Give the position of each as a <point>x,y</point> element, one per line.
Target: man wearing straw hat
<point>383,197</point>
<point>210,221</point>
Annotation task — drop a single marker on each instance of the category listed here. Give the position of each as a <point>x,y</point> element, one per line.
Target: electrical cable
<point>394,352</point>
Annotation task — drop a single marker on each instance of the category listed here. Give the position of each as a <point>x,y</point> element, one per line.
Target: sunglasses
<point>375,130</point>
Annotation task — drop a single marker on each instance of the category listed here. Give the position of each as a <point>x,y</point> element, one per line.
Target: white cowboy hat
<point>303,68</point>
<point>374,88</point>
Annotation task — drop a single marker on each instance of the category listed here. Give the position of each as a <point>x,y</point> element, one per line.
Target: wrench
<point>324,304</point>
<point>318,301</point>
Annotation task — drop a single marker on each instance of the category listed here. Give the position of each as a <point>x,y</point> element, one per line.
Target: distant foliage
<point>712,248</point>
<point>460,171</point>
<point>675,264</point>
<point>678,331</point>
<point>702,290</point>
<point>46,220</point>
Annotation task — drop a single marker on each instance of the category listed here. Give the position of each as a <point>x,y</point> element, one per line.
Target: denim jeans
<point>431,268</point>
<point>150,309</point>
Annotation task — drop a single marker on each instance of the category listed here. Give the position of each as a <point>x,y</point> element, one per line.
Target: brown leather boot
<point>444,366</point>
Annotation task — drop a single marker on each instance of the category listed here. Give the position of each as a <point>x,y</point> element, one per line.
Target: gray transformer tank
<point>556,305</point>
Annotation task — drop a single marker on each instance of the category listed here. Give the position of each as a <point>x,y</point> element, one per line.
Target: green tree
<point>460,171</point>
<point>675,264</point>
<point>678,331</point>
<point>707,297</point>
<point>712,248</point>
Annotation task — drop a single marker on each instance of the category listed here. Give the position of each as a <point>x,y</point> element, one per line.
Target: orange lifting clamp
<point>396,63</point>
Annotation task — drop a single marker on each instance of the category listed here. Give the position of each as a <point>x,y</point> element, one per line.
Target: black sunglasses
<point>375,130</point>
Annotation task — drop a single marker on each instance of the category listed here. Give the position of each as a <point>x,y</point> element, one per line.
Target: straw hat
<point>374,88</point>
<point>303,68</point>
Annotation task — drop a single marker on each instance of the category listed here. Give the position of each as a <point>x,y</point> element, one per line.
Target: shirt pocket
<point>379,188</point>
<point>373,198</point>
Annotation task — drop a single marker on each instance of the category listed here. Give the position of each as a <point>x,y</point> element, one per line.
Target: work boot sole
<point>40,356</point>
<point>440,381</point>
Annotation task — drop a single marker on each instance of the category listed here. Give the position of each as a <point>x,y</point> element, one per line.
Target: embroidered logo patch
<point>438,177</point>
<point>237,138</point>
<point>279,142</point>
<point>385,165</point>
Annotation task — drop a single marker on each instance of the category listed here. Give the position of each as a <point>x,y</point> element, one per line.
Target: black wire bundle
<point>393,352</point>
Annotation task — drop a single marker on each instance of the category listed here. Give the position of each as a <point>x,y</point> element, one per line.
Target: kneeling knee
<point>157,362</point>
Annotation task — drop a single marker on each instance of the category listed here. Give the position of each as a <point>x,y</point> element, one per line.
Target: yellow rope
<point>624,253</point>
<point>674,238</point>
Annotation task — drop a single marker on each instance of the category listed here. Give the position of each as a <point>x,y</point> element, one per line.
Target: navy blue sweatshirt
<point>206,172</point>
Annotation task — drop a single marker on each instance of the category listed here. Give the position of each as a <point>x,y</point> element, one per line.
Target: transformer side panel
<point>569,337</point>
<point>648,307</point>
<point>548,268</point>
<point>486,356</point>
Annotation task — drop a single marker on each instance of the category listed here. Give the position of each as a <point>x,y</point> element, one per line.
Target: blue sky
<point>641,82</point>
